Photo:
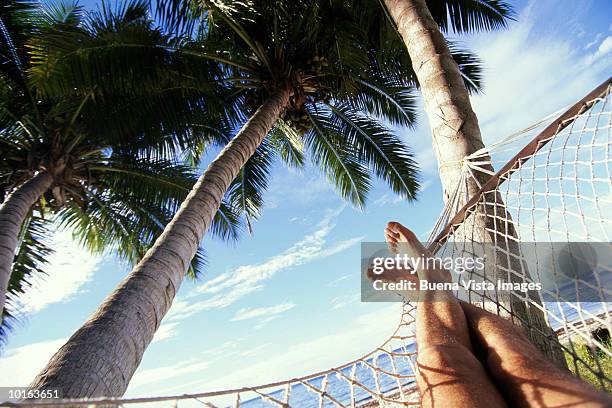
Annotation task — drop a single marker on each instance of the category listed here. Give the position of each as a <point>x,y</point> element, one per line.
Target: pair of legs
<point>509,370</point>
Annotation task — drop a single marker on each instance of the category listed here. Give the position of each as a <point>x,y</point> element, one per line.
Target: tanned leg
<point>449,375</point>
<point>522,373</point>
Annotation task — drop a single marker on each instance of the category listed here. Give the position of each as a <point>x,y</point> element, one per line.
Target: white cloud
<point>254,313</point>
<point>263,322</point>
<point>341,246</point>
<point>594,42</point>
<point>160,375</point>
<point>425,185</point>
<point>303,251</point>
<point>70,267</point>
<point>153,375</point>
<point>424,156</point>
<point>184,308</point>
<point>529,74</point>
<point>21,364</point>
<point>254,351</point>
<point>604,49</point>
<point>313,188</point>
<point>387,199</point>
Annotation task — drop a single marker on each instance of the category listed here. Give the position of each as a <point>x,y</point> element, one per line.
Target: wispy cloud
<point>226,289</point>
<point>254,313</point>
<point>313,188</point>
<point>255,351</point>
<point>340,302</point>
<point>307,249</point>
<point>530,73</point>
<point>335,282</point>
<point>594,42</point>
<point>154,375</point>
<point>166,331</point>
<point>258,312</point>
<point>387,199</point>
<point>196,364</point>
<point>603,51</point>
<point>352,338</point>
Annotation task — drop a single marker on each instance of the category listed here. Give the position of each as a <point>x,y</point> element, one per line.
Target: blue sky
<point>285,301</point>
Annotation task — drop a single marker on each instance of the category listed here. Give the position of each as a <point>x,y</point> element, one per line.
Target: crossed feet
<point>511,365</point>
<point>403,241</point>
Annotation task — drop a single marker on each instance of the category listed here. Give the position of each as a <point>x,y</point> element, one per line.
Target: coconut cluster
<point>297,119</point>
<point>317,64</point>
<point>296,115</point>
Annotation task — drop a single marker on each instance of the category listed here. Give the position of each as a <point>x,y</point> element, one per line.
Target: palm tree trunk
<point>13,213</point>
<point>456,134</point>
<point>454,125</point>
<point>101,357</point>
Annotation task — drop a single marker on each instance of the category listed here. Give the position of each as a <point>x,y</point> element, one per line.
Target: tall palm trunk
<point>101,357</point>
<point>456,134</point>
<point>13,213</point>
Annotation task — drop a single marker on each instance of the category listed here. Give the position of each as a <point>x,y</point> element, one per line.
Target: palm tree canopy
<point>341,91</point>
<point>344,84</point>
<point>114,191</point>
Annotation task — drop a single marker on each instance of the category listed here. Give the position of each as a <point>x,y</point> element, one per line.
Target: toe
<point>394,226</point>
<point>391,236</point>
<point>402,233</point>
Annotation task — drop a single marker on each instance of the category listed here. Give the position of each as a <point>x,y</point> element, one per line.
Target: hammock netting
<point>551,183</point>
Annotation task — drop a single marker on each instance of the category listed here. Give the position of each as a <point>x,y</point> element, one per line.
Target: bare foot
<point>401,240</point>
<point>398,272</point>
<point>398,237</point>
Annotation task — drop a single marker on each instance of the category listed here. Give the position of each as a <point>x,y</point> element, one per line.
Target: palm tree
<point>307,82</point>
<point>63,159</point>
<point>447,103</point>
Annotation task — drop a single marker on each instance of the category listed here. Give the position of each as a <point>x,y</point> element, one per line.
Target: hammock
<point>553,183</point>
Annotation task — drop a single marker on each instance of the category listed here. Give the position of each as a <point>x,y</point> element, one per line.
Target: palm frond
<point>469,65</point>
<point>288,143</point>
<point>385,154</point>
<point>226,224</point>
<point>178,16</point>
<point>465,16</point>
<point>198,264</point>
<point>130,203</point>
<point>247,190</point>
<point>384,98</point>
<point>336,159</point>
<point>32,256</point>
<point>59,13</point>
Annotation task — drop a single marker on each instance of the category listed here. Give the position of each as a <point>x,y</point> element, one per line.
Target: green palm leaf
<point>247,189</point>
<point>336,160</point>
<point>30,260</point>
<point>389,158</point>
<point>288,143</point>
<point>464,16</point>
<point>384,98</point>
